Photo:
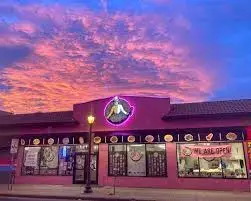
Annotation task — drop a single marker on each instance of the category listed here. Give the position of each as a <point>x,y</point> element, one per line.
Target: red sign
<point>206,151</point>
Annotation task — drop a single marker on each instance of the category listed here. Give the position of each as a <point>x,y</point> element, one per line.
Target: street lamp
<point>88,188</point>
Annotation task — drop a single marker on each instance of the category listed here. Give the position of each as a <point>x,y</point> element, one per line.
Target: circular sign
<point>168,138</point>
<point>51,141</point>
<point>231,136</point>
<point>118,111</point>
<point>149,138</point>
<point>188,137</point>
<point>36,141</point>
<point>136,155</point>
<point>97,140</point>
<point>81,140</point>
<point>66,140</point>
<point>131,139</point>
<point>114,139</point>
<point>187,151</point>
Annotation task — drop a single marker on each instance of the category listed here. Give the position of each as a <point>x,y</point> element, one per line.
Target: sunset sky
<point>54,53</point>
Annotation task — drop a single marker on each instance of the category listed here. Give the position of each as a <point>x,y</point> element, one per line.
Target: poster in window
<point>49,160</point>
<point>30,163</point>
<point>117,160</point>
<point>136,160</point>
<point>66,160</point>
<point>156,160</point>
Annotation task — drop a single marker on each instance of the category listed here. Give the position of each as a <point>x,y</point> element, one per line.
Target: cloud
<point>12,54</point>
<point>77,55</point>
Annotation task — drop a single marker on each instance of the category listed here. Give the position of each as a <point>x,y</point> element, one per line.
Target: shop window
<point>31,161</point>
<point>188,166</point>
<point>156,160</point>
<point>66,160</point>
<point>49,160</point>
<point>234,166</point>
<point>117,160</point>
<point>213,160</point>
<point>137,160</point>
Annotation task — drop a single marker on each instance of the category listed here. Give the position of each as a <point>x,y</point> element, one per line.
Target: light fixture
<point>91,119</point>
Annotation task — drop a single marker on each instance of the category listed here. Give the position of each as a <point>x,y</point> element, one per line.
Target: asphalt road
<point>31,199</point>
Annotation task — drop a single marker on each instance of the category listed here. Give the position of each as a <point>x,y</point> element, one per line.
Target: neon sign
<point>118,111</point>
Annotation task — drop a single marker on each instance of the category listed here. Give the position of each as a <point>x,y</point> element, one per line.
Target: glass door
<point>80,170</point>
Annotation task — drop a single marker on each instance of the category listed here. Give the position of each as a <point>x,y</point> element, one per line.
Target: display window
<point>211,160</point>
<point>66,160</point>
<point>49,160</point>
<point>137,160</point>
<point>31,161</point>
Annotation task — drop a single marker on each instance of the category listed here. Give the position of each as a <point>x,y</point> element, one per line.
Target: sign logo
<point>118,111</point>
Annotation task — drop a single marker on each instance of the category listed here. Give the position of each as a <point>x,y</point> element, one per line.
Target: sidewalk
<point>126,194</point>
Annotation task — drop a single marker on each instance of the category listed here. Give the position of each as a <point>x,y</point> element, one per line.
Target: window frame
<point>198,159</point>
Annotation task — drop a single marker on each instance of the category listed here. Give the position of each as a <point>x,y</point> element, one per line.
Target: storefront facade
<point>142,141</point>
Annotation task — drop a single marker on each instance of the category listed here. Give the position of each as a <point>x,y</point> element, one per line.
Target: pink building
<point>143,141</point>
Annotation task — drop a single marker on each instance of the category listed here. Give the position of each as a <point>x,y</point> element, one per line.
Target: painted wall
<point>172,181</point>
<point>147,113</point>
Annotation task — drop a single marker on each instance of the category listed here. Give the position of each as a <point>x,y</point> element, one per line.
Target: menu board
<point>136,160</point>
<point>117,160</point>
<point>156,163</point>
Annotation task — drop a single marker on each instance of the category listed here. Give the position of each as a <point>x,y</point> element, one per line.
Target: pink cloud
<point>82,55</point>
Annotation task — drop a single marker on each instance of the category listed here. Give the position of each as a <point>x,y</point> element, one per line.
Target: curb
<point>70,197</point>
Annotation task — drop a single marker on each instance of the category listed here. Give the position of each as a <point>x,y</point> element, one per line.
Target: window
<point>66,160</point>
<point>52,160</point>
<point>117,160</point>
<point>31,161</point>
<point>234,166</point>
<point>137,160</point>
<point>40,161</point>
<point>156,160</point>
<point>49,160</point>
<point>212,160</point>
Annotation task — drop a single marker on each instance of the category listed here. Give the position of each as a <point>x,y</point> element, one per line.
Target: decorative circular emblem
<point>66,140</point>
<point>149,138</point>
<point>36,141</point>
<point>168,138</point>
<point>188,137</point>
<point>136,155</point>
<point>22,142</point>
<point>97,140</point>
<point>114,139</point>
<point>51,141</point>
<point>81,140</point>
<point>118,111</point>
<point>231,136</point>
<point>187,151</point>
<point>131,139</point>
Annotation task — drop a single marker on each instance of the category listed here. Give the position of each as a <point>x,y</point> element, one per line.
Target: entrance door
<point>80,170</point>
